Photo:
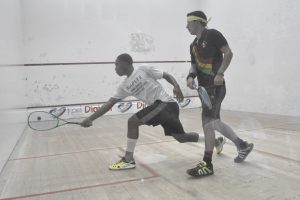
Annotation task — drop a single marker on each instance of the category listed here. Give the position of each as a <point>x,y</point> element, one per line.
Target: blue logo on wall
<point>124,106</point>
<point>58,111</point>
<point>184,103</point>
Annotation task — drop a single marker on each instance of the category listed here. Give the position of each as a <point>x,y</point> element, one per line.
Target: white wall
<point>92,30</point>
<point>12,116</point>
<point>264,36</point>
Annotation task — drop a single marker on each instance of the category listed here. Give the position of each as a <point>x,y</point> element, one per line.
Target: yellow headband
<point>196,18</point>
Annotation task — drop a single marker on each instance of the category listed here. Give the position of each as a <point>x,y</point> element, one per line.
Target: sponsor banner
<point>80,111</point>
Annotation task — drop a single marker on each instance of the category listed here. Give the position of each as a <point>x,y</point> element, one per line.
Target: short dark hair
<point>199,13</point>
<point>125,57</point>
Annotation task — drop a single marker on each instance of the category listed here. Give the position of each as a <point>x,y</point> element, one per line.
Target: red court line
<point>79,188</point>
<point>149,169</point>
<point>277,156</point>
<point>268,153</point>
<point>146,167</point>
<point>88,150</point>
<point>90,63</point>
<point>262,152</point>
<point>108,62</point>
<point>271,127</point>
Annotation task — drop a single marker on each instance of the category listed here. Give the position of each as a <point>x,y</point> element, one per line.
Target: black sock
<point>208,157</point>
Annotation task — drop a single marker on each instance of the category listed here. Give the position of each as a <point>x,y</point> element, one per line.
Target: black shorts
<point>161,113</point>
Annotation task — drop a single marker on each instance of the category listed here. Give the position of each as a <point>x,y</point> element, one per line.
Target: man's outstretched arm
<point>177,91</point>
<point>101,111</point>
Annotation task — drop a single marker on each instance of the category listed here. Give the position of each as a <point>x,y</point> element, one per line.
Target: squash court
<point>71,162</point>
<point>58,54</point>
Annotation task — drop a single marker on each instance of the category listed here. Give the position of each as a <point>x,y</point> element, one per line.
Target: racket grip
<point>74,123</point>
<point>194,86</point>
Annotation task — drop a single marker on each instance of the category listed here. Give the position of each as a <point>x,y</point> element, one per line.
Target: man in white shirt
<point>162,109</point>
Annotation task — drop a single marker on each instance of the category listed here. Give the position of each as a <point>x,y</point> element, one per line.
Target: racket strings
<point>42,121</point>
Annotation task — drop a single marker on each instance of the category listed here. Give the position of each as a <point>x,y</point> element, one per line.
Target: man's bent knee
<point>208,124</point>
<point>180,137</point>
<point>134,121</point>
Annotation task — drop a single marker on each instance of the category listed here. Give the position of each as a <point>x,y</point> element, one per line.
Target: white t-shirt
<point>143,85</point>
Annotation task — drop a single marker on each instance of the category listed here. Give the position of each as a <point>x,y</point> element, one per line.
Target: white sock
<point>131,143</point>
<point>201,138</point>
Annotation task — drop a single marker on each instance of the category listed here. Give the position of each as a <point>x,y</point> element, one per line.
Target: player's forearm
<point>170,79</point>
<point>102,110</point>
<point>226,61</point>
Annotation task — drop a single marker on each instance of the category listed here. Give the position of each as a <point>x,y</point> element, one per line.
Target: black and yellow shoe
<point>243,153</point>
<point>201,170</point>
<point>122,164</point>
<point>219,143</point>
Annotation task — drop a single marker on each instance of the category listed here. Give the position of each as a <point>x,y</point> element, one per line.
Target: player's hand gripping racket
<point>44,121</point>
<point>204,97</point>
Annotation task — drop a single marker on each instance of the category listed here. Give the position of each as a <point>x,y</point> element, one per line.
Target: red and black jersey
<point>207,56</point>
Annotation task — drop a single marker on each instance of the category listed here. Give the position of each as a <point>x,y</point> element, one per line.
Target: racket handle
<point>74,123</point>
<point>194,86</point>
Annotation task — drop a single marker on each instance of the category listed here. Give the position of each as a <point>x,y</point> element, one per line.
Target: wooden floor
<point>71,162</point>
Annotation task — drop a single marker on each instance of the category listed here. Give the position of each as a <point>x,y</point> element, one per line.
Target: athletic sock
<point>200,138</point>
<point>208,157</point>
<point>131,143</point>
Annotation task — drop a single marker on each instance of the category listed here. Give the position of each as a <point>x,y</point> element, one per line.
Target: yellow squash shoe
<point>219,143</point>
<point>122,164</point>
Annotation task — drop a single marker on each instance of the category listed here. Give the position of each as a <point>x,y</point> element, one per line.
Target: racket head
<point>204,97</point>
<point>42,121</point>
